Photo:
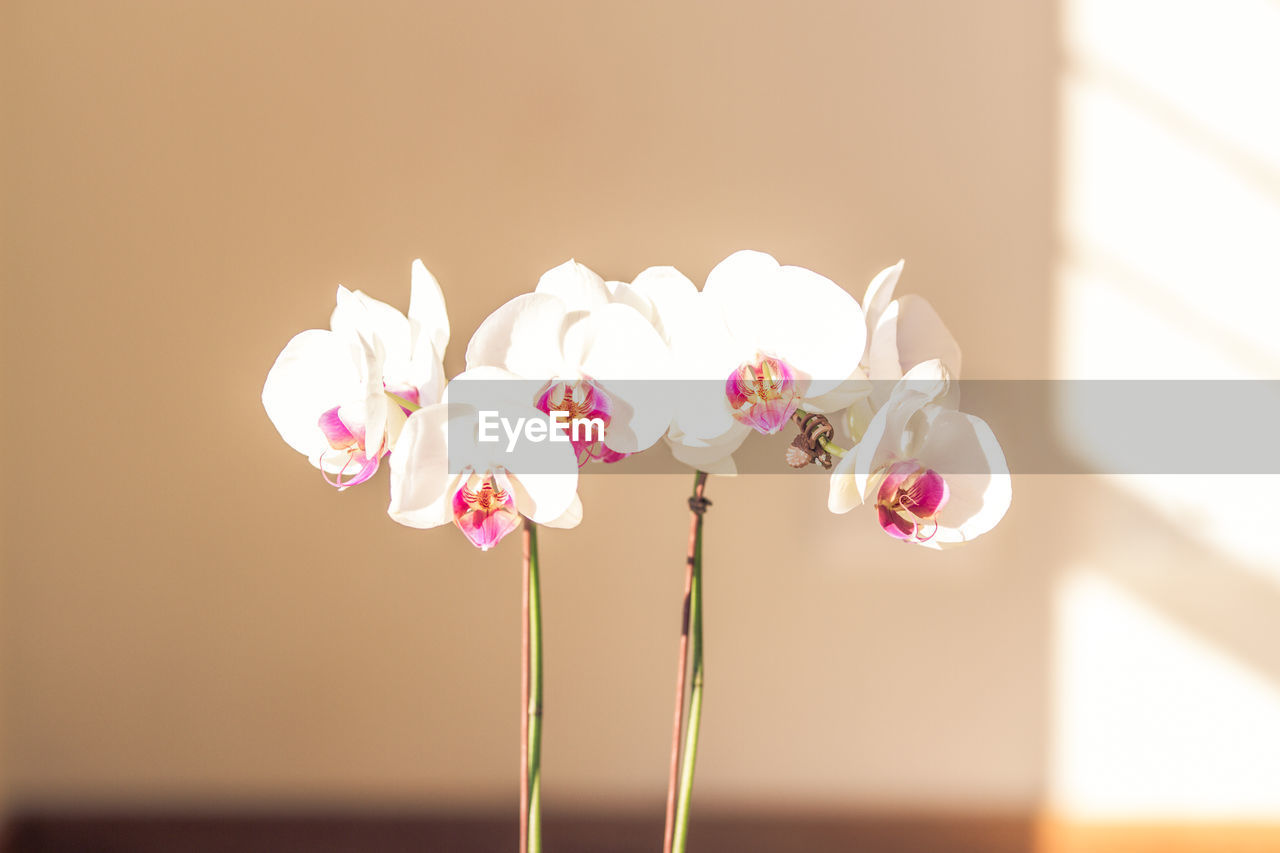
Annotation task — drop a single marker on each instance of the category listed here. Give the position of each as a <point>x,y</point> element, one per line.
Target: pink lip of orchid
<point>909,500</point>
<point>346,438</point>
<point>582,399</point>
<point>763,394</point>
<point>347,444</point>
<point>487,512</point>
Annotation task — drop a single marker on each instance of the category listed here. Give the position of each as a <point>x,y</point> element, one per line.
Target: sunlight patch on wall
<point>1170,231</point>
<point>1152,722</point>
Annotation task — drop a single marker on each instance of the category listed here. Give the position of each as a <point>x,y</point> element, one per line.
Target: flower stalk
<point>531,695</point>
<point>680,782</point>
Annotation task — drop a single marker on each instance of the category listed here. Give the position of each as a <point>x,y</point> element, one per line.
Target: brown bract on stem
<point>813,444</point>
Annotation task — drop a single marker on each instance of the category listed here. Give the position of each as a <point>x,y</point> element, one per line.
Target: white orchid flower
<point>762,340</point>
<point>594,353</point>
<point>443,471</point>
<point>936,476</point>
<point>340,396</point>
<point>903,332</point>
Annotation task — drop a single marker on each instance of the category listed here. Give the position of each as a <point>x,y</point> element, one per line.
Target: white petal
<point>421,485</point>
<point>791,313</point>
<point>358,313</point>
<point>522,336</point>
<point>880,293</point>
<point>844,493</point>
<point>891,435</point>
<point>426,372</point>
<point>820,330</point>
<point>369,354</point>
<point>713,457</point>
<point>670,293</point>
<point>853,389</point>
<point>615,342</point>
<point>963,449</point>
<point>571,517</point>
<point>577,287</point>
<point>314,373</point>
<point>882,362</point>
<point>624,294</point>
<point>544,498</point>
<point>622,352</point>
<point>922,335</point>
<point>427,308</point>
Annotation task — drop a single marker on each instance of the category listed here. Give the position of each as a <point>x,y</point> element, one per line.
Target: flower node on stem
<point>810,445</point>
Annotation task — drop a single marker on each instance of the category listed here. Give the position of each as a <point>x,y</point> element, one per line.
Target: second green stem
<point>689,755</point>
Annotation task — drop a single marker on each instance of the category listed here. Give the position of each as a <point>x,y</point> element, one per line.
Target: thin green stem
<point>689,756</point>
<point>535,698</point>
<point>531,688</point>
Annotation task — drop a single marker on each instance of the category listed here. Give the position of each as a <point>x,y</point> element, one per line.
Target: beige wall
<point>193,617</point>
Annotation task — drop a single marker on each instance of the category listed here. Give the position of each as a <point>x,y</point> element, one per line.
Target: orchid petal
<point>571,517</point>
<point>577,287</point>
<point>624,294</point>
<point>620,351</point>
<point>964,450</point>
<point>791,313</point>
<point>309,377</point>
<point>880,293</point>
<point>427,308</point>
<point>843,492</point>
<point>358,314</point>
<point>545,498</point>
<point>895,525</point>
<point>921,335</point>
<point>713,457</point>
<point>670,293</point>
<point>522,336</point>
<point>422,487</point>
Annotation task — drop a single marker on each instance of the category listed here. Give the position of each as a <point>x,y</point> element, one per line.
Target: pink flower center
<point>909,500</point>
<point>486,513</point>
<point>763,395</point>
<point>584,401</point>
<point>347,451</point>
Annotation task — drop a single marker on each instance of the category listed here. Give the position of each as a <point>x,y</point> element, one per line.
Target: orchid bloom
<point>594,352</point>
<point>442,472</point>
<point>764,339</point>
<point>903,332</point>
<point>936,476</point>
<point>341,396</point>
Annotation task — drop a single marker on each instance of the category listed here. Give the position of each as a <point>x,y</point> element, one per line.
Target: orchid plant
<point>872,389</point>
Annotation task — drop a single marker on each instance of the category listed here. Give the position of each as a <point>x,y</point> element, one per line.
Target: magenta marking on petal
<point>608,454</point>
<point>335,431</point>
<point>763,395</point>
<point>365,468</point>
<point>929,494</point>
<point>485,514</point>
<point>582,400</point>
<point>895,525</point>
<point>896,475</point>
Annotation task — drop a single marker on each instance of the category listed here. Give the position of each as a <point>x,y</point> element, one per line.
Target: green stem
<point>534,709</point>
<point>689,757</point>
